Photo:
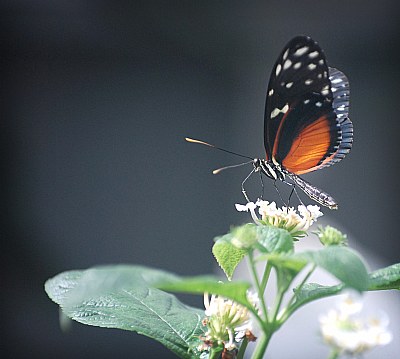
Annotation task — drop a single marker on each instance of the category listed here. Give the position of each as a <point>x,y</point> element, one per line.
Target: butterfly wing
<point>306,125</point>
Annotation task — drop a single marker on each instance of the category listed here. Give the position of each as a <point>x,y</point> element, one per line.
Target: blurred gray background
<point>97,99</point>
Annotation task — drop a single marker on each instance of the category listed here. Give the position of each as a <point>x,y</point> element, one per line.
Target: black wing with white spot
<point>306,125</point>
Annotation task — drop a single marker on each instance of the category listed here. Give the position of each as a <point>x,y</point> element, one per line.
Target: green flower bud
<point>330,236</point>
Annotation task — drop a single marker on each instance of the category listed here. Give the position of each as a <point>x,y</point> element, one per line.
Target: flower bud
<point>330,236</point>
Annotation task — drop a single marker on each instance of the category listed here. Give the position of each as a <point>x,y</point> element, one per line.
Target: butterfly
<point>306,124</point>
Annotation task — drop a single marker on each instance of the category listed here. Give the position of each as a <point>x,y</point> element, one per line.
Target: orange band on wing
<point>278,135</point>
<point>309,148</point>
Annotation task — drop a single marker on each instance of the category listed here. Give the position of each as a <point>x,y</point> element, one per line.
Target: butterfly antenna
<point>218,148</point>
<point>215,172</point>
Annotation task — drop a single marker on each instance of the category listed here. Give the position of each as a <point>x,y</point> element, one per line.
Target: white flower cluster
<point>347,333</point>
<point>285,217</point>
<point>227,321</point>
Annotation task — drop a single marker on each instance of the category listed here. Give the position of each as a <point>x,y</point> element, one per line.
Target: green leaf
<point>385,278</point>
<point>122,297</point>
<point>289,262</point>
<point>344,263</point>
<point>227,255</point>
<point>312,291</point>
<point>274,240</point>
<point>73,287</point>
<point>236,291</point>
<point>230,249</point>
<point>287,267</point>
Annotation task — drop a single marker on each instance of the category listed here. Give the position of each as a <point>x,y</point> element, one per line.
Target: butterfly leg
<point>290,196</point>
<point>293,191</point>
<point>297,195</point>
<point>262,186</point>
<point>279,193</point>
<point>243,190</point>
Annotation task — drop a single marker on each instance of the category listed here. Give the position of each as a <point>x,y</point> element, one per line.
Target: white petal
<point>241,207</point>
<point>245,207</point>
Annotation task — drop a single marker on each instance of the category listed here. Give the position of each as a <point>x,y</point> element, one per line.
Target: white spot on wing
<point>336,81</point>
<point>319,76</point>
<point>321,62</point>
<point>285,55</point>
<point>313,54</point>
<point>325,90</point>
<point>312,66</point>
<point>306,101</point>
<point>278,69</point>
<point>318,104</point>
<point>271,92</point>
<point>308,82</point>
<point>289,85</point>
<point>276,111</point>
<point>287,64</point>
<point>301,51</point>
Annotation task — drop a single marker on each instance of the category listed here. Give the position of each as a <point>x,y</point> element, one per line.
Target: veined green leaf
<point>385,278</point>
<point>227,255</point>
<point>236,291</point>
<point>274,240</point>
<point>309,292</point>
<point>123,297</point>
<point>312,291</point>
<point>69,288</point>
<point>342,262</point>
<point>287,261</point>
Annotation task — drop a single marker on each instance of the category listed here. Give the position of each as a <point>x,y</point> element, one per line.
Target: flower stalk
<point>260,290</point>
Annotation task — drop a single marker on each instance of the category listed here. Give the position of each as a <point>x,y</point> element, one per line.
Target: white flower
<point>267,209</point>
<point>227,321</point>
<point>351,303</point>
<point>245,207</point>
<point>250,206</point>
<point>351,334</point>
<point>309,214</point>
<point>312,211</point>
<point>286,217</point>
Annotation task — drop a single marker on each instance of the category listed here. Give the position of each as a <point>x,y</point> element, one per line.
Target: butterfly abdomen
<point>313,192</point>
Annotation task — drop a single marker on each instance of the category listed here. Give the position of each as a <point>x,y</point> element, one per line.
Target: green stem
<point>289,310</point>
<point>277,306</point>
<point>259,290</point>
<point>334,354</point>
<point>265,277</point>
<point>242,349</point>
<point>311,271</point>
<point>215,353</point>
<point>261,347</point>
